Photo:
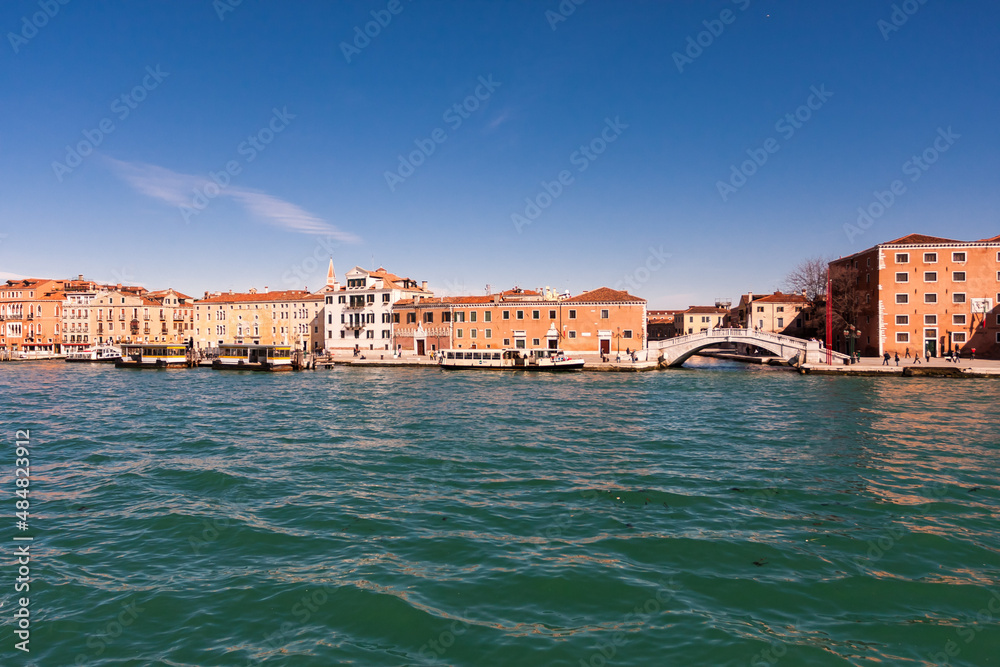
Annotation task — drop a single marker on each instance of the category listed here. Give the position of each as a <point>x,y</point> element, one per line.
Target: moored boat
<point>510,359</point>
<point>99,354</point>
<point>152,355</point>
<point>254,358</point>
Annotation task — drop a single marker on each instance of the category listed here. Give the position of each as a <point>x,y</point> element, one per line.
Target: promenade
<point>936,367</point>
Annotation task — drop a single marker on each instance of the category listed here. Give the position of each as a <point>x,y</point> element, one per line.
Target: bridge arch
<point>675,351</point>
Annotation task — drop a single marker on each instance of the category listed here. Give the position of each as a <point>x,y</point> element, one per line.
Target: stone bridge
<point>675,351</point>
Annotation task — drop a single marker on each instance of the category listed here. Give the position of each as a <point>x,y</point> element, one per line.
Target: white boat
<point>510,359</point>
<point>99,354</point>
<point>35,356</point>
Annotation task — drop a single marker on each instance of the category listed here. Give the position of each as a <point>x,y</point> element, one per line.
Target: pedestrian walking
<point>907,353</point>
<point>885,359</point>
<point>958,356</point>
<point>916,358</point>
<point>897,358</point>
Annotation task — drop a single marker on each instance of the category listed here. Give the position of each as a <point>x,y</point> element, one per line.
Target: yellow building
<point>128,316</point>
<point>286,317</point>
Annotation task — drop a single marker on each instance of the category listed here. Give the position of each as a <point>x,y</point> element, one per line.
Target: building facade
<point>285,317</point>
<point>788,314</point>
<point>920,293</point>
<point>602,320</point>
<point>700,318</point>
<point>31,316</point>
<point>358,314</point>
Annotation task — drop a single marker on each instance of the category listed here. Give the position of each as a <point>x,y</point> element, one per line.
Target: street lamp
<point>851,335</point>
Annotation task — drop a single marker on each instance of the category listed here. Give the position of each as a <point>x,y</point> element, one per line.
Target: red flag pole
<point>829,317</point>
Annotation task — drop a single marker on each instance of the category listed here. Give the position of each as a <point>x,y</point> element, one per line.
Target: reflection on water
<point>800,519</point>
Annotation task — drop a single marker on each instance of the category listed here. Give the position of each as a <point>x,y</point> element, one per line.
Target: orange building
<point>919,292</point>
<point>31,316</point>
<point>602,320</point>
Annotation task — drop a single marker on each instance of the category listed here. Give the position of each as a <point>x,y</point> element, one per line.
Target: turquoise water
<point>718,516</point>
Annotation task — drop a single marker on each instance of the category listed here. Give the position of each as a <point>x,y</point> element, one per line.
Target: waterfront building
<point>661,324</point>
<point>79,312</point>
<point>920,292</point>
<point>602,320</point>
<point>700,318</point>
<point>282,317</point>
<point>358,315</point>
<point>788,314</point>
<point>31,316</point>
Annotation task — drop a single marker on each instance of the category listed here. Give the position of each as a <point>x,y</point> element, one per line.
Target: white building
<point>359,314</point>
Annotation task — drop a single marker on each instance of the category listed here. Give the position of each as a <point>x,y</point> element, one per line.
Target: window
<point>902,258</point>
<point>552,314</point>
<point>459,317</point>
<point>958,256</point>
<point>520,314</point>
<point>958,337</point>
<point>488,316</point>
<point>930,333</point>
<point>930,297</point>
<point>902,319</point>
<point>958,297</point>
<point>488,333</point>
<point>395,318</point>
<point>902,337</point>
<point>429,318</point>
<point>458,333</point>
<point>781,322</point>
<point>604,314</point>
<point>411,318</point>
<point>760,309</point>
<point>930,276</point>
<point>779,309</point>
<point>472,316</point>
<point>506,314</point>
<point>386,297</point>
<point>535,315</point>
<point>535,342</point>
<point>386,333</point>
<point>572,313</point>
<point>627,333</point>
<point>958,276</point>
<point>902,277</point>
<point>446,316</point>
<point>930,319</point>
<point>371,298</point>
<point>473,333</point>
<point>506,342</point>
<point>572,334</point>
<point>930,258</point>
<point>958,319</point>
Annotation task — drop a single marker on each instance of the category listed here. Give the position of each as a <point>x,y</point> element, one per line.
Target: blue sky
<point>683,92</point>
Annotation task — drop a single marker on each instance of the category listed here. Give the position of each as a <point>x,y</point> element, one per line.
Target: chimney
<point>80,277</point>
<point>423,285</point>
<point>265,289</point>
<point>206,295</point>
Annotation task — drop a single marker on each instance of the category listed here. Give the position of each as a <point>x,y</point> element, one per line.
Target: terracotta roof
<point>995,239</point>
<point>778,297</point>
<point>165,292</point>
<point>920,239</point>
<point>604,294</point>
<point>706,309</point>
<point>278,295</point>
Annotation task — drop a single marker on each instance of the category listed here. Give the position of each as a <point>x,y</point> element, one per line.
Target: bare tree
<point>809,275</point>
<point>847,296</point>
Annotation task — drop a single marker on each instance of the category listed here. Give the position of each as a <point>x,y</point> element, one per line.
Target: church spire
<point>331,279</point>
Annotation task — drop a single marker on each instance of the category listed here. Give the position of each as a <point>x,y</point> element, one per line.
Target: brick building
<point>922,293</point>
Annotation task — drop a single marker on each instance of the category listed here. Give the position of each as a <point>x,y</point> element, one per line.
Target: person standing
<point>885,359</point>
<point>927,355</point>
<point>897,358</point>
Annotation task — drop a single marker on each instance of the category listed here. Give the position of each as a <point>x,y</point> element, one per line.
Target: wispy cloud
<point>177,189</point>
